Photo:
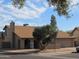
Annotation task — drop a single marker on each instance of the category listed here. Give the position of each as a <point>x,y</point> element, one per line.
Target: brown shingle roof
<point>27,31</point>
<point>61,34</point>
<point>24,31</point>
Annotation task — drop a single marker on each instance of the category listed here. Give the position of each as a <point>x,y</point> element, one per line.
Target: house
<point>63,40</point>
<point>75,33</point>
<point>21,37</point>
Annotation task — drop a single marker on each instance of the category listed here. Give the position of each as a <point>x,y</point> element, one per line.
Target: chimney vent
<point>25,24</point>
<point>12,26</point>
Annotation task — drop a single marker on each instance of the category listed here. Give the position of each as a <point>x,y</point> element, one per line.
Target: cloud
<point>25,12</point>
<point>73,2</point>
<point>8,12</point>
<point>1,1</point>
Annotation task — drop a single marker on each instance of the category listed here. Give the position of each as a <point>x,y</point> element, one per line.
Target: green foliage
<point>53,26</point>
<point>45,34</point>
<point>37,33</point>
<point>61,6</point>
<point>40,34</point>
<point>18,3</point>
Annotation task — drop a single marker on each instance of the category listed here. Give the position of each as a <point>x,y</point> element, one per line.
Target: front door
<point>27,44</point>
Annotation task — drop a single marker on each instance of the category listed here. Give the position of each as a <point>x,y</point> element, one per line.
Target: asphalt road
<point>36,56</point>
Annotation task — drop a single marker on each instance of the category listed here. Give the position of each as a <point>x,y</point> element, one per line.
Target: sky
<point>37,13</point>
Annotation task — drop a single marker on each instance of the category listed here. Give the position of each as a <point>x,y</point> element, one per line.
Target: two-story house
<point>19,36</point>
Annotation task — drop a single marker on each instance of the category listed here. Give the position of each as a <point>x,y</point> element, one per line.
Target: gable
<point>75,32</point>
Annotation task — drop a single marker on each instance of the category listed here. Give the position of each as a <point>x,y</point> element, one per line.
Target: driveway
<point>41,56</point>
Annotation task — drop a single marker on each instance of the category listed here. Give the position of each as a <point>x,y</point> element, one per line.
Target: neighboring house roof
<point>27,32</point>
<point>77,28</point>
<point>61,34</point>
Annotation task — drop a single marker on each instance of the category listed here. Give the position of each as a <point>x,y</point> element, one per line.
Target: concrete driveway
<point>65,53</point>
<point>41,56</point>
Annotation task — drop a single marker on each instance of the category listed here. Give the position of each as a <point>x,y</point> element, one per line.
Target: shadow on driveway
<point>20,53</point>
<point>75,52</point>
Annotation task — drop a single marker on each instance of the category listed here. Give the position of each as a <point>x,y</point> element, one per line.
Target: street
<point>40,56</point>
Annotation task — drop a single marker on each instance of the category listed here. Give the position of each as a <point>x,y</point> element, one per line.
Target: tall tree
<point>46,34</point>
<point>53,25</point>
<point>53,28</point>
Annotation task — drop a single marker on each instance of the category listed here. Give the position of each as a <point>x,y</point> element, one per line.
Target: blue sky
<point>37,13</point>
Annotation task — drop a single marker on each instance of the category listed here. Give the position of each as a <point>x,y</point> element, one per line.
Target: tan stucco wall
<point>76,34</point>
<point>16,42</point>
<point>61,43</point>
<point>7,34</point>
<point>22,44</point>
<point>8,37</point>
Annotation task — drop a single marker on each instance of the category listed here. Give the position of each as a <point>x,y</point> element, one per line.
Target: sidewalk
<point>20,51</point>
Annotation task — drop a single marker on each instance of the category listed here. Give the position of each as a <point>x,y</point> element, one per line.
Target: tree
<point>61,6</point>
<point>53,25</point>
<point>45,34</point>
<point>18,3</point>
<point>40,34</point>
